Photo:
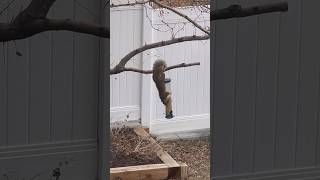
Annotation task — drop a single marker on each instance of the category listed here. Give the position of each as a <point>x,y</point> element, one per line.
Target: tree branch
<point>37,9</point>
<point>129,4</point>
<point>32,20</point>
<point>121,65</point>
<point>13,31</point>
<point>180,14</point>
<point>151,71</point>
<point>235,11</point>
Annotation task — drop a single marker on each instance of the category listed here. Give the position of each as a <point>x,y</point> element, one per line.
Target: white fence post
<point>146,90</point>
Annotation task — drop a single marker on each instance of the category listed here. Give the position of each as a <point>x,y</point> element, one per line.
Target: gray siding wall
<point>266,93</point>
<point>49,95</point>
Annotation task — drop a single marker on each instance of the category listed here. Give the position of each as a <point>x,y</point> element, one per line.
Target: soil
<point>128,149</point>
<point>195,153</point>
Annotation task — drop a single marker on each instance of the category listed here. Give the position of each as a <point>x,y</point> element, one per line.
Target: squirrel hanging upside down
<point>158,76</point>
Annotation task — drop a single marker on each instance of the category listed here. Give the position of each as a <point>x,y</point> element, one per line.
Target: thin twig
<point>180,14</point>
<point>137,147</point>
<point>151,23</point>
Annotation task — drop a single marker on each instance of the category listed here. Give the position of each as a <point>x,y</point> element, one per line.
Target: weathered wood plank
<point>143,172</point>
<point>183,171</point>
<point>149,172</point>
<point>163,155</point>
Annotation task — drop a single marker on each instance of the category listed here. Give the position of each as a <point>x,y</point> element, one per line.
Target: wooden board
<point>149,172</point>
<point>183,171</point>
<point>163,155</point>
<point>143,172</point>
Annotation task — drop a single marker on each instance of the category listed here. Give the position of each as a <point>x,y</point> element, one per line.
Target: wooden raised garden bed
<point>168,169</point>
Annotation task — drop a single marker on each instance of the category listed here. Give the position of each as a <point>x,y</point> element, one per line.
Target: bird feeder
<point>169,113</point>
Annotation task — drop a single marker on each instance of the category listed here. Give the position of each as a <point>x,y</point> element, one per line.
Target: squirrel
<point>158,77</point>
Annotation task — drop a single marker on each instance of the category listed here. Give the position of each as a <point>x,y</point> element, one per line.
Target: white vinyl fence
<point>134,96</point>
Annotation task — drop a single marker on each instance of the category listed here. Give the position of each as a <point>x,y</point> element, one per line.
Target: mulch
<point>128,149</point>
<point>194,152</point>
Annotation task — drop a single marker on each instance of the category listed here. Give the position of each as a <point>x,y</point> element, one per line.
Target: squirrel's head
<point>159,65</point>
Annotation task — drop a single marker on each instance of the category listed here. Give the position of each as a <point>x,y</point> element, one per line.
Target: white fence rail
<point>134,96</point>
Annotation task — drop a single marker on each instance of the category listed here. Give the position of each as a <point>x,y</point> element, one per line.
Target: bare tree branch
<point>151,71</point>
<point>180,14</point>
<point>32,20</point>
<point>121,65</point>
<point>182,65</point>
<point>13,31</point>
<point>37,9</point>
<point>235,11</point>
<point>129,4</point>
